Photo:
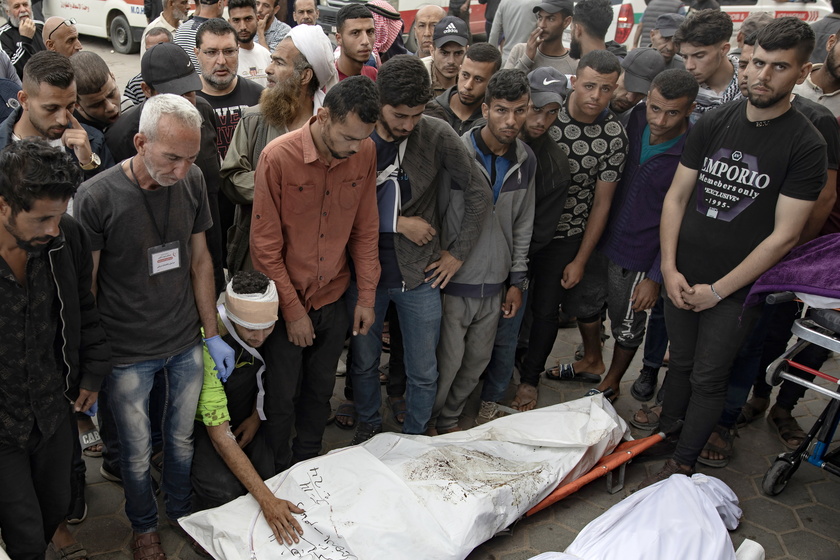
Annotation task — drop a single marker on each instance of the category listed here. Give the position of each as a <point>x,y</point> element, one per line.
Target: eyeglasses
<point>67,22</point>
<point>214,53</point>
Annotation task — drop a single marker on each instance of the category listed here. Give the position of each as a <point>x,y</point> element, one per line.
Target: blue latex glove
<point>223,355</point>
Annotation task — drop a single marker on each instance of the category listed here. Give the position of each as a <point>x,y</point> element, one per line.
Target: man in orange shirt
<point>315,202</point>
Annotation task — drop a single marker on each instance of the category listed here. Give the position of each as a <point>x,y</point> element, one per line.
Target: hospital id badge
<point>164,257</point>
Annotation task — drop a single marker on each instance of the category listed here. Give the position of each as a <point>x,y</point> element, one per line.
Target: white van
<point>121,21</point>
<point>738,10</point>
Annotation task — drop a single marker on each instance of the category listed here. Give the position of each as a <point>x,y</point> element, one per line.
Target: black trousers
<point>35,490</point>
<point>213,482</point>
<point>299,383</point>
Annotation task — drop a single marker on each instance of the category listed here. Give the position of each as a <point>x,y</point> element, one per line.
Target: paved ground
<point>797,524</point>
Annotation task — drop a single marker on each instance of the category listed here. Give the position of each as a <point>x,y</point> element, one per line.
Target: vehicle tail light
<point>626,19</point>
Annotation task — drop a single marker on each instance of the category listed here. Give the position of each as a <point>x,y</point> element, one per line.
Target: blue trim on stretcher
<point>816,458</point>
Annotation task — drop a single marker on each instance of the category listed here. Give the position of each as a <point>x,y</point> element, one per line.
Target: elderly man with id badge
<point>153,278</point>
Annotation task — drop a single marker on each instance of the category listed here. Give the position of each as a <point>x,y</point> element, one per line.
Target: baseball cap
<point>554,6</point>
<point>641,66</point>
<point>167,68</point>
<point>451,29</point>
<point>548,85</point>
<point>667,24</point>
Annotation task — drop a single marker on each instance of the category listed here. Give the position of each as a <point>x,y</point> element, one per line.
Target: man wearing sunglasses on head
<point>60,35</point>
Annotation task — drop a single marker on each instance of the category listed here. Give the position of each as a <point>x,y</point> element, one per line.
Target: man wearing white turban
<point>301,69</point>
<point>232,455</point>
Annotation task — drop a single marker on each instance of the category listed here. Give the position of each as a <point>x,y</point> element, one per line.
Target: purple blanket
<point>812,268</point>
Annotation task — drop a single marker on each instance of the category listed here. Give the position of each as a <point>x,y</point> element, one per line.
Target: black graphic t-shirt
<point>597,152</point>
<point>229,109</point>
<point>743,168</point>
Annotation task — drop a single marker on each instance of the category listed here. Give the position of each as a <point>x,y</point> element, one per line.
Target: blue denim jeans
<point>129,389</point>
<point>500,369</point>
<point>419,312</point>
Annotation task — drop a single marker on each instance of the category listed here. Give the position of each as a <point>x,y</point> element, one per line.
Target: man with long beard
<point>301,66</point>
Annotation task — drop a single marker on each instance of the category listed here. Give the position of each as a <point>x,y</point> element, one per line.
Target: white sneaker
<point>488,411</point>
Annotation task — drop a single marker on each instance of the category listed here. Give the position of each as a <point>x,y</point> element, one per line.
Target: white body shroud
<point>681,517</point>
<point>406,497</point>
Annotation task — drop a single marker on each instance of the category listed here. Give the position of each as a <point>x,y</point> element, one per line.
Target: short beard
<point>24,244</point>
<point>831,66</point>
<point>574,49</point>
<point>765,103</point>
<point>279,104</point>
<point>218,84</point>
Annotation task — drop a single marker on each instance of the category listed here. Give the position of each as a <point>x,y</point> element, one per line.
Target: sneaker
<point>364,432</point>
<point>78,507</point>
<point>488,411</point>
<point>111,476</point>
<point>645,385</point>
<point>670,467</point>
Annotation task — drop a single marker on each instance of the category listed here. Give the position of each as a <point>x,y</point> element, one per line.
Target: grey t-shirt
<point>518,59</point>
<point>145,317</point>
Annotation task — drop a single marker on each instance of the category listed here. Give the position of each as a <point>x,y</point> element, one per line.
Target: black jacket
<point>85,350</point>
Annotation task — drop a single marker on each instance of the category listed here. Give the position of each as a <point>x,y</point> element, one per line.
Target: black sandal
<point>728,436</point>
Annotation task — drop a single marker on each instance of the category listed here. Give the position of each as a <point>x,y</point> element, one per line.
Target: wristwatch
<point>523,286</point>
<point>94,162</point>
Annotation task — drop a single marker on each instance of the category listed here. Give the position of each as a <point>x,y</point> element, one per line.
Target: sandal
<point>608,393</point>
<point>728,436</point>
<point>566,372</point>
<point>399,409</point>
<point>526,397</point>
<point>147,547</point>
<point>347,410</point>
<point>73,551</point>
<point>790,432</point>
<point>89,440</point>
<point>647,418</point>
<point>752,410</point>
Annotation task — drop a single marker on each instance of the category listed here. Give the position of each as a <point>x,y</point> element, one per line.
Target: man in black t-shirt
<point>218,54</point>
<point>739,201</point>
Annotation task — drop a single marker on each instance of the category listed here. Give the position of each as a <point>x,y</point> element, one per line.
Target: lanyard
<point>161,234</point>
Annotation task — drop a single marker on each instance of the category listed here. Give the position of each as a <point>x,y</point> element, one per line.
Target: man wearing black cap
<point>551,185</point>
<point>545,44</point>
<point>662,39</point>
<point>641,66</point>
<point>448,47</point>
<point>460,105</point>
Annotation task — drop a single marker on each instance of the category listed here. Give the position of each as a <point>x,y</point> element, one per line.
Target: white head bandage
<point>252,311</point>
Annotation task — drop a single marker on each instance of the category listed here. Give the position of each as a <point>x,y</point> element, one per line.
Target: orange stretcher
<point>618,459</point>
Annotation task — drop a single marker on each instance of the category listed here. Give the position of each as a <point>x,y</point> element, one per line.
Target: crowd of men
<point>189,260</point>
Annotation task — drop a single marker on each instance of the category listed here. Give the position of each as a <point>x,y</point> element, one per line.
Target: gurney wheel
<point>775,378</point>
<point>777,477</point>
